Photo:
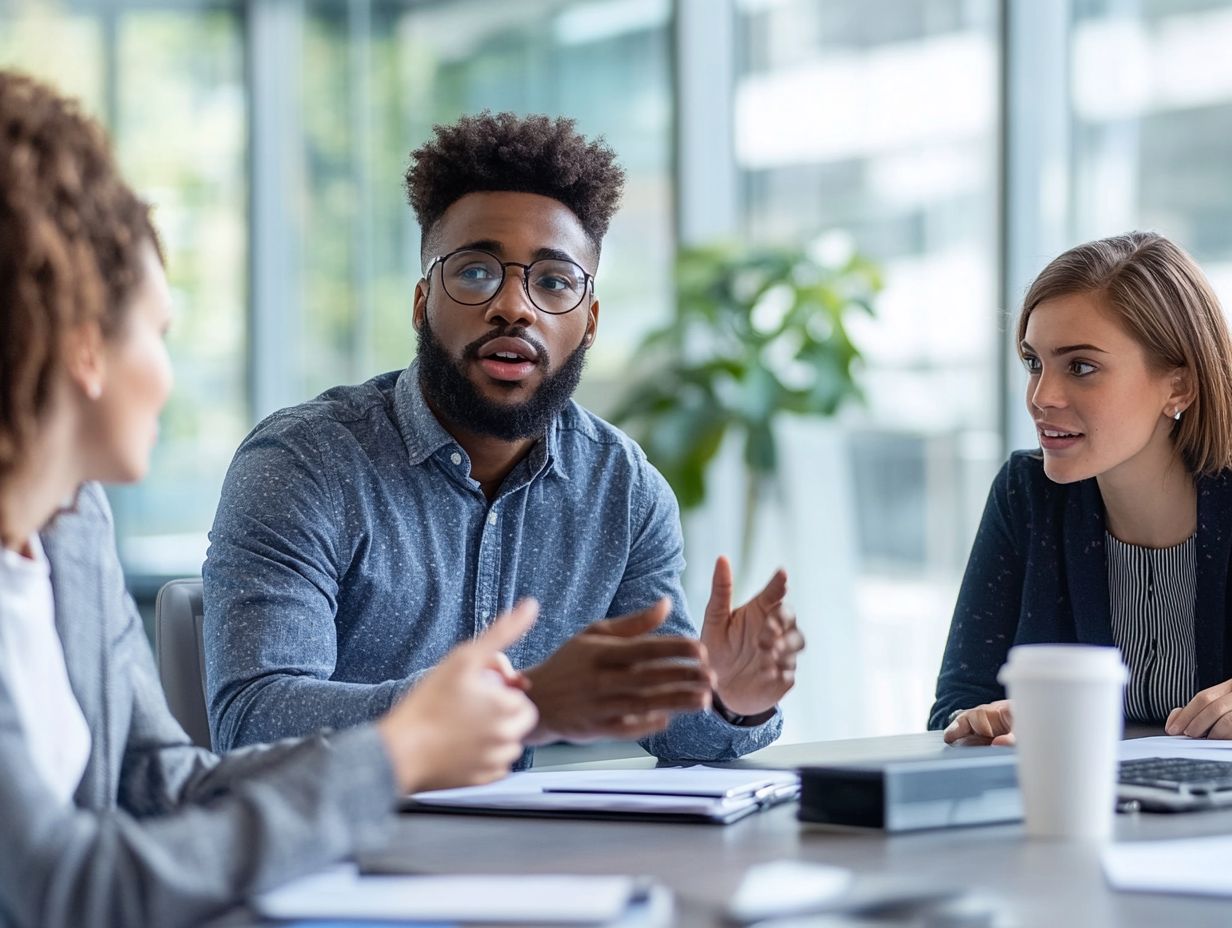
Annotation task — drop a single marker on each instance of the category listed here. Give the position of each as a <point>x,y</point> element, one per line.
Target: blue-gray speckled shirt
<point>352,549</point>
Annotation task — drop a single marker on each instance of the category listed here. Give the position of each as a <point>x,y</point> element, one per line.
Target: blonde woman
<point>110,815</point>
<point>1118,530</point>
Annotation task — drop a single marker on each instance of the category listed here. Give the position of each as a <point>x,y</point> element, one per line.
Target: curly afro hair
<point>527,154</point>
<point>71,234</point>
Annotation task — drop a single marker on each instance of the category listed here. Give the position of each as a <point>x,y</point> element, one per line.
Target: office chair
<point>178,615</point>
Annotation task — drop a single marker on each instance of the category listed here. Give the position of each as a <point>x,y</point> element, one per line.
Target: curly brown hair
<point>527,154</point>
<point>71,233</point>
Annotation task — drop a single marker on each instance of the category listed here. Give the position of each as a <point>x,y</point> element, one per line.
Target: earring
<point>94,391</point>
<point>1176,414</point>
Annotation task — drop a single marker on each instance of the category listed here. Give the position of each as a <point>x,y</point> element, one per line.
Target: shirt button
<point>491,518</point>
<point>456,458</point>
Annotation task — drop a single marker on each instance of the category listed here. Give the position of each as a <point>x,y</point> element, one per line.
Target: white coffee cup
<point>1066,703</point>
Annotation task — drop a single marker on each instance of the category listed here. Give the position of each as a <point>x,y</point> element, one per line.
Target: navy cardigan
<point>1038,574</point>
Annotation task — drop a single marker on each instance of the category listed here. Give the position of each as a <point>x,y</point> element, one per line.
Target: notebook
<point>712,795</point>
<point>343,894</point>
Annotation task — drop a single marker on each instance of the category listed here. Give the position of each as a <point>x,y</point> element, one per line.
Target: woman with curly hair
<point>111,816</point>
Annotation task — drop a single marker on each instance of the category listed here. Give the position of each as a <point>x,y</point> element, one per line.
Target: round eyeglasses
<point>473,277</point>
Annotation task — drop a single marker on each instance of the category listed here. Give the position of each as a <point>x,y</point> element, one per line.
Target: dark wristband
<point>732,718</point>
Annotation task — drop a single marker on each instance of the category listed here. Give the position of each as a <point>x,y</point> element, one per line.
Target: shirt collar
<point>421,430</point>
<point>19,570</point>
<point>424,435</point>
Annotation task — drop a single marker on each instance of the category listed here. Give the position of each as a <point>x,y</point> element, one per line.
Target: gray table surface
<point>1021,882</point>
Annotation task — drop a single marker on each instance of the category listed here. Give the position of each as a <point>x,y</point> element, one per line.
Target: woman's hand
<point>1207,715</point>
<point>464,722</point>
<point>990,723</point>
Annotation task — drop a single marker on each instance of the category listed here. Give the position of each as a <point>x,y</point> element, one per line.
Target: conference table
<point>1013,880</point>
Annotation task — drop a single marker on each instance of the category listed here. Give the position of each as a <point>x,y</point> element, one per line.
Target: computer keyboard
<point>1185,775</point>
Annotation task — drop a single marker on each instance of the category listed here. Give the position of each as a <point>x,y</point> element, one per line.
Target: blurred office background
<point>958,143</point>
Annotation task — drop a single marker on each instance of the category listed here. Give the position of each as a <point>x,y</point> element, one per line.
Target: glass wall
<point>170,84</point>
<point>874,127</point>
<point>1152,124</point>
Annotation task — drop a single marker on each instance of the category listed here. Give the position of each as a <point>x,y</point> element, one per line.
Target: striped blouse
<point>1151,597</point>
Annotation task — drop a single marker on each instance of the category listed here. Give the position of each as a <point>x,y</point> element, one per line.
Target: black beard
<point>454,397</point>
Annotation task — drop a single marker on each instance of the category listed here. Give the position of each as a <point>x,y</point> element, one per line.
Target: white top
<point>32,668</point>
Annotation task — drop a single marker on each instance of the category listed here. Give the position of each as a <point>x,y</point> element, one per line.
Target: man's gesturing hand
<point>464,723</point>
<point>752,648</point>
<point>616,680</point>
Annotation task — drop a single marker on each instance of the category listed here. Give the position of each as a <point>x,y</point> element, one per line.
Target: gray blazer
<point>162,833</point>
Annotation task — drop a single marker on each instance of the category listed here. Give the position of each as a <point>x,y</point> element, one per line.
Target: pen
<point>773,793</point>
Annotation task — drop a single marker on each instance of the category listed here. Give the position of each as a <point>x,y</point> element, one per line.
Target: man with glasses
<point>363,534</point>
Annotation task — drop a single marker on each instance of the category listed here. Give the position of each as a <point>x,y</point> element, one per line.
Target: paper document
<point>344,893</point>
<point>1174,746</point>
<point>783,888</point>
<point>1192,866</point>
<point>708,782</point>
<point>709,794</point>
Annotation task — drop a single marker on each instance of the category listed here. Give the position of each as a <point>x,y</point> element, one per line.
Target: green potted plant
<point>757,333</point>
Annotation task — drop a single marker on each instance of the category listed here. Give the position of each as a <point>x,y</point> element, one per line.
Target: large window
<point>170,84</point>
<point>875,127</point>
<point>1152,125</point>
<point>180,126</point>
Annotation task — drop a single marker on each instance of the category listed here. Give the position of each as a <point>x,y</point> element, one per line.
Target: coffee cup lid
<point>1063,661</point>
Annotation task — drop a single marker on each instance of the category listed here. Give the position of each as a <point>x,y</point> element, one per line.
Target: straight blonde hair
<point>1167,305</point>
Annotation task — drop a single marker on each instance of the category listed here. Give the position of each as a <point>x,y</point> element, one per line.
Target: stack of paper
<point>1174,746</point>
<point>342,893</point>
<point>698,794</point>
<point>1192,866</point>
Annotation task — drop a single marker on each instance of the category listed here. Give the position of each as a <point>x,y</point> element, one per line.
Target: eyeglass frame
<point>588,279</point>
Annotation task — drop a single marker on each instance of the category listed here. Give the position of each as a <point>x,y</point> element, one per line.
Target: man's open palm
<point>752,648</point>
